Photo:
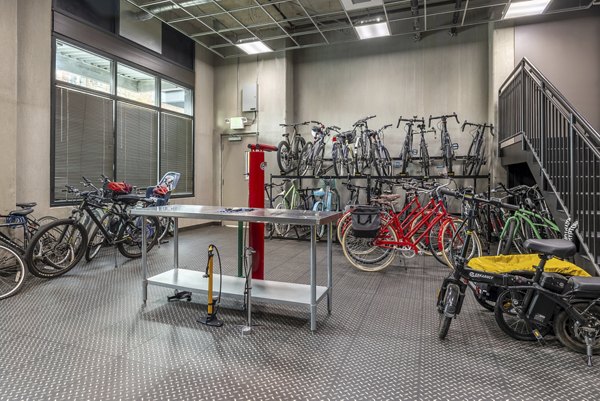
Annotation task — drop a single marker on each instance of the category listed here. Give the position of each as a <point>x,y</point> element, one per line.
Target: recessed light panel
<point>254,47</point>
<point>372,30</point>
<point>525,8</point>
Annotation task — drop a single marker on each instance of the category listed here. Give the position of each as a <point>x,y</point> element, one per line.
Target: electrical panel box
<point>249,97</point>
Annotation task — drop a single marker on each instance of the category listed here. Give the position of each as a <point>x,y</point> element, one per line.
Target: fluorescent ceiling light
<point>524,8</point>
<point>372,30</point>
<point>254,47</point>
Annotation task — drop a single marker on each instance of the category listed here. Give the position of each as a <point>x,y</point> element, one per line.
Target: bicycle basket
<point>119,188</point>
<point>365,221</point>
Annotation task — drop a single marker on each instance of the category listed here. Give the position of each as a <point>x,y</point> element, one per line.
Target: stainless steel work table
<point>263,290</point>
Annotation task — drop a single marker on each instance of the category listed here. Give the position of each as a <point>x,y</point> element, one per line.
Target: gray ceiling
<point>292,24</point>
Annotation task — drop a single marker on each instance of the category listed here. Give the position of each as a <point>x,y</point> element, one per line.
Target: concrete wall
<point>395,76</point>
<point>567,52</point>
<point>8,102</point>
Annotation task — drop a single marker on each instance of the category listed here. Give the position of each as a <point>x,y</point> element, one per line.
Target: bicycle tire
<point>506,238</point>
<point>362,164</point>
<point>436,241</point>
<point>320,229</point>
<point>470,159</point>
<point>56,248</point>
<point>447,310</point>
<point>386,162</point>
<point>96,239</point>
<point>510,322</point>
<point>318,160</point>
<point>167,225</point>
<point>130,236</point>
<point>338,159</point>
<point>360,261</point>
<point>281,229</point>
<point>342,224</point>
<point>568,334</point>
<point>425,160</point>
<point>12,272</point>
<point>454,241</point>
<point>448,156</point>
<point>405,157</point>
<point>284,157</point>
<point>305,159</point>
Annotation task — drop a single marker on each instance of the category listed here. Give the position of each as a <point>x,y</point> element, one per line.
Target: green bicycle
<point>522,225</point>
<point>291,198</point>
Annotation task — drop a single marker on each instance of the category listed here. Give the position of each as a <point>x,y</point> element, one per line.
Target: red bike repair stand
<point>256,199</point>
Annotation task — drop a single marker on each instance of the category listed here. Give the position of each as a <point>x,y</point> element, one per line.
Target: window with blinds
<point>83,139</point>
<point>177,150</point>
<point>137,145</point>
<point>109,119</point>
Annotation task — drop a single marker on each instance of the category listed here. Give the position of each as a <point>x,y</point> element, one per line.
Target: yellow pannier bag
<point>509,263</point>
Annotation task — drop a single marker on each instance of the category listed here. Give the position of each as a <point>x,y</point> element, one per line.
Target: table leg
<point>329,267</point>
<point>313,278</point>
<point>176,243</point>
<point>144,262</point>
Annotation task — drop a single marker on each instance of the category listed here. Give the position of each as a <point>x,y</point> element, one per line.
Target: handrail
<point>564,146</point>
<point>555,93</point>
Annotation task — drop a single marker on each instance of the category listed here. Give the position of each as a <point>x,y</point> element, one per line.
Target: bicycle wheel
<point>448,156</point>
<point>507,313</point>
<point>319,207</point>
<point>281,229</point>
<point>167,225</point>
<point>447,309</point>
<point>507,238</point>
<point>364,255</point>
<point>425,160</point>
<point>12,272</point>
<point>436,243</point>
<point>338,159</point>
<point>424,244</point>
<point>361,157</point>
<point>318,160</point>
<point>284,157</point>
<point>405,157</point>
<point>384,162</point>
<point>453,241</point>
<point>130,236</point>
<point>305,158</point>
<point>297,149</point>
<point>570,334</point>
<point>343,223</point>
<point>470,160</point>
<point>56,248</point>
<point>96,238</point>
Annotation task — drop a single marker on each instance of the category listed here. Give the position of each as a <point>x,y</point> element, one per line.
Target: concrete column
<point>8,103</point>
<point>33,112</point>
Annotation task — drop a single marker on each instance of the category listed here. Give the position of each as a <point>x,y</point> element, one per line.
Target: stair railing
<point>563,143</point>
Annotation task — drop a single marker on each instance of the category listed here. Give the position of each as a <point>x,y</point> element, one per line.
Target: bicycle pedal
<point>538,336</point>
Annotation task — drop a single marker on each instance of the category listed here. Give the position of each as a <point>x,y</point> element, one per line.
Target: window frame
<point>54,83</point>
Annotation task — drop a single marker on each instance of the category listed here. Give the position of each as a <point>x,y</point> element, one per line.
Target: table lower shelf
<point>262,290</point>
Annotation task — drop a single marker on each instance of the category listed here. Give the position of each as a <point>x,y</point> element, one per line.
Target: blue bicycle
<point>326,199</point>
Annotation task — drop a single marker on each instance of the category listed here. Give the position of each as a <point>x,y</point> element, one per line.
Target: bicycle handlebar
<point>411,121</point>
<point>443,117</point>
<point>362,121</point>
<point>294,125</point>
<point>483,126</point>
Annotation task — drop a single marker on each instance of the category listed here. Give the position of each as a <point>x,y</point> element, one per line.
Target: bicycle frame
<point>528,217</point>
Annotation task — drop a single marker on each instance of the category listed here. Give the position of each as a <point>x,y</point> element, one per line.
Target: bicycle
<point>22,219</point>
<point>379,154</point>
<point>526,222</point>
<point>342,154</point>
<point>362,146</point>
<point>327,199</point>
<point>59,246</point>
<point>448,147</point>
<point>406,153</point>
<point>289,199</point>
<point>288,152</point>
<point>407,237</point>
<point>476,154</point>
<point>313,152</point>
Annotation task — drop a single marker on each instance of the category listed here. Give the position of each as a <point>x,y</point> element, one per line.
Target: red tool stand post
<point>256,199</point>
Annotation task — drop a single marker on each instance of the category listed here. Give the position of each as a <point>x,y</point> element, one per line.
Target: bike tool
<point>211,318</point>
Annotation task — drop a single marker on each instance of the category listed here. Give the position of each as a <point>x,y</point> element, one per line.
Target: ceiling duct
<point>351,5</point>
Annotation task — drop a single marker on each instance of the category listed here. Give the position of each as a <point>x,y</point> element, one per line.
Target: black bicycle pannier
<point>365,221</point>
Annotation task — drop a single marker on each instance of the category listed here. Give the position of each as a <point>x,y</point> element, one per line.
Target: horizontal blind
<point>83,139</point>
<point>177,150</point>
<point>137,142</point>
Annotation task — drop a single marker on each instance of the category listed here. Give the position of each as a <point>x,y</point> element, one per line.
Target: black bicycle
<point>60,245</point>
<point>313,153</point>
<point>407,152</point>
<point>476,155</point>
<point>288,151</point>
<point>448,147</point>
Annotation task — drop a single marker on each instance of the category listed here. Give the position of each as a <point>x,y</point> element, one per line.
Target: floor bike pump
<point>211,312</point>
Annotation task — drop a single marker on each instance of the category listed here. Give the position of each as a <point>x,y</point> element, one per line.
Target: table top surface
<point>221,213</point>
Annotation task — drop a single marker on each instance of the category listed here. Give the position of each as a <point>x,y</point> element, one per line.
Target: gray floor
<point>85,336</point>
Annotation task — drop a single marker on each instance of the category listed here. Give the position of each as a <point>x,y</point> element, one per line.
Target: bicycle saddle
<point>557,247</point>
<point>26,205</point>
<point>589,285</point>
<point>21,212</point>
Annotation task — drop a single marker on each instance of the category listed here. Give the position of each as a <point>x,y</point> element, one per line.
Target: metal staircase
<point>561,148</point>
